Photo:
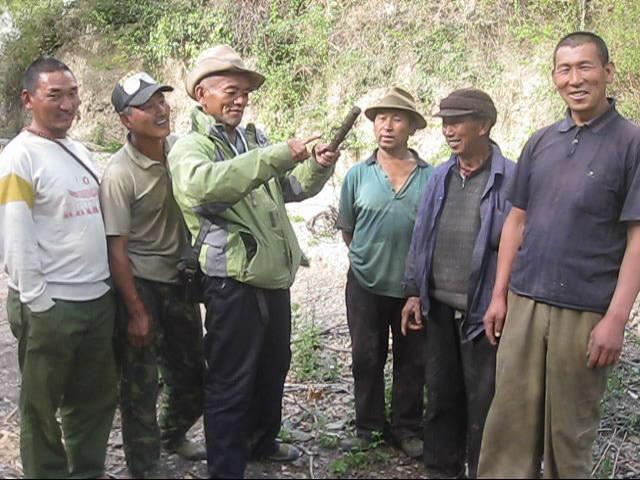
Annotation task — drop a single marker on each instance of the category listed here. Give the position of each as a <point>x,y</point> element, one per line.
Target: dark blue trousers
<point>247,348</point>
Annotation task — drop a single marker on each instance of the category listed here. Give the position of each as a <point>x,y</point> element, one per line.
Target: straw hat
<point>396,99</point>
<point>219,59</point>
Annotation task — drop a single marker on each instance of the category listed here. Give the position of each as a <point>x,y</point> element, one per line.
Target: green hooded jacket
<point>240,200</point>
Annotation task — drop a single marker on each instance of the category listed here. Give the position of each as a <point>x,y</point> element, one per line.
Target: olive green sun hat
<point>396,98</point>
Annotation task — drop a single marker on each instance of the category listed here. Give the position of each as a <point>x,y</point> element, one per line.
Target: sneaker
<point>284,453</point>
<point>188,450</point>
<point>412,447</point>
<point>359,442</point>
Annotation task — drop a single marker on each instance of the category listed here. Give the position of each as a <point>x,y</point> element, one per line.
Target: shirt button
<point>591,173</point>
<point>562,284</point>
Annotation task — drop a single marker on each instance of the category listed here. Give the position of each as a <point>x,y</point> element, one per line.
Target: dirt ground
<point>318,402</point>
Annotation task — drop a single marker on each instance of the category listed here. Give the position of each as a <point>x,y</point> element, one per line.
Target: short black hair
<point>42,64</point>
<point>576,39</point>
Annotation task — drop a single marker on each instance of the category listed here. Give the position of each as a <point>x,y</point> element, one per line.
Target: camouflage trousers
<point>175,353</point>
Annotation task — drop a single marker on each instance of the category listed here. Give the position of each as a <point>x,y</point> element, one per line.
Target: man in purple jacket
<point>450,273</point>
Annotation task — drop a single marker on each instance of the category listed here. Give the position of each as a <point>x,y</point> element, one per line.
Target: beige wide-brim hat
<point>219,59</point>
<point>396,99</point>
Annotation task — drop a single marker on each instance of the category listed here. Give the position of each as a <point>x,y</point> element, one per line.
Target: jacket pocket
<point>250,246</point>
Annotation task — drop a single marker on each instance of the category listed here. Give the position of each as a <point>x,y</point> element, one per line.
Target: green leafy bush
<point>291,50</point>
<point>321,56</point>
<point>38,28</point>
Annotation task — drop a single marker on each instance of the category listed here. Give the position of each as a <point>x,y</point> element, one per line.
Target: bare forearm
<point>347,237</point>
<point>510,241</point>
<point>123,278</point>
<point>628,284</point>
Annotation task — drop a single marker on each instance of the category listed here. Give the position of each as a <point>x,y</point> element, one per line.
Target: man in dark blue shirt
<point>570,258</point>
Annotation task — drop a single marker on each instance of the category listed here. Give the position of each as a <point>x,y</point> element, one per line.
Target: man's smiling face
<point>581,80</point>
<point>225,97</point>
<point>53,103</point>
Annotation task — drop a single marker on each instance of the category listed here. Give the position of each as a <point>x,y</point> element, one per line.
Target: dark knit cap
<point>468,101</point>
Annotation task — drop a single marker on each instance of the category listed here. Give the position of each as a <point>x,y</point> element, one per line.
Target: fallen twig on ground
<point>336,349</point>
<point>324,331</point>
<point>10,416</point>
<point>307,386</point>
<point>604,452</point>
<point>311,456</point>
<point>303,408</point>
<point>615,462</point>
<point>630,363</point>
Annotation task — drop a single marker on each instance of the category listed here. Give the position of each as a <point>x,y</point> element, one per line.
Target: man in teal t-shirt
<point>378,206</point>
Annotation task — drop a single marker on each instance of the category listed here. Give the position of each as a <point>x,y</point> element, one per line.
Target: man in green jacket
<point>231,187</point>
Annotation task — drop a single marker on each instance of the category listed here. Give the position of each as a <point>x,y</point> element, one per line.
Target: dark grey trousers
<point>370,317</point>
<point>460,381</point>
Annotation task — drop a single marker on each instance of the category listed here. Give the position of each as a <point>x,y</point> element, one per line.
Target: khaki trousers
<point>547,402</point>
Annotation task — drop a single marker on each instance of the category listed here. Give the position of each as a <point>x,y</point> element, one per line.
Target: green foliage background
<point>321,55</point>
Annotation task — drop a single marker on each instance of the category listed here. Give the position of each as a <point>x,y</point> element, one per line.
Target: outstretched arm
<point>308,178</point>
<point>198,179</point>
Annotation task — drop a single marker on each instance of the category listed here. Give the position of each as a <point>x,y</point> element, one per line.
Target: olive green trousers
<point>547,401</point>
<point>67,364</point>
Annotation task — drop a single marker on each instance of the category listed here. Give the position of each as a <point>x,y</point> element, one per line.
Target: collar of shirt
<point>595,124</point>
<point>139,158</point>
<point>419,162</point>
<point>496,163</point>
<point>466,173</point>
<point>240,145</point>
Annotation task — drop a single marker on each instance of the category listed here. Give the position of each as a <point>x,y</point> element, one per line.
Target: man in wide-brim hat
<point>397,99</point>
<point>231,187</point>
<point>217,60</point>
<point>378,205</point>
